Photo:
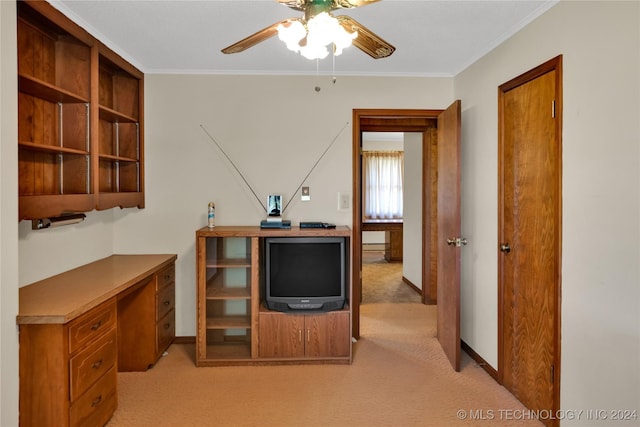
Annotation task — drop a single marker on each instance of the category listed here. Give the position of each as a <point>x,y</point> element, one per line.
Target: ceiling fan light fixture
<point>291,33</point>
<point>314,51</point>
<point>343,39</point>
<point>319,32</point>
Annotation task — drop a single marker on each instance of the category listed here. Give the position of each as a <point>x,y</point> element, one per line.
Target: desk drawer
<point>166,276</point>
<point>90,364</point>
<point>166,330</point>
<point>95,407</point>
<point>91,325</point>
<point>166,300</point>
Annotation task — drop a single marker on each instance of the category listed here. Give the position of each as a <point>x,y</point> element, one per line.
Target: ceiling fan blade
<point>350,4</point>
<point>335,4</point>
<point>294,4</point>
<point>256,38</point>
<point>367,41</point>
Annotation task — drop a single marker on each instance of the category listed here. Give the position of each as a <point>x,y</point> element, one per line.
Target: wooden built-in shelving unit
<point>80,119</point>
<point>232,324</point>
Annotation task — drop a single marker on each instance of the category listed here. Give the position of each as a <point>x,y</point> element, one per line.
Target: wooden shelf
<point>41,89</point>
<point>217,292</point>
<point>229,350</point>
<point>110,158</point>
<point>51,148</point>
<point>229,263</point>
<point>229,322</point>
<point>248,231</point>
<point>122,199</point>
<point>115,116</point>
<point>51,205</point>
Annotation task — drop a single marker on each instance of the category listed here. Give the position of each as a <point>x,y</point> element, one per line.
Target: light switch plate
<point>304,194</point>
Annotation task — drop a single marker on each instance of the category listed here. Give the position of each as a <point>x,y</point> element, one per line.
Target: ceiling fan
<point>360,36</point>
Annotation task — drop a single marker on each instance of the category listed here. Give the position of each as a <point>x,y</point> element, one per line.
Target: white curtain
<point>383,175</point>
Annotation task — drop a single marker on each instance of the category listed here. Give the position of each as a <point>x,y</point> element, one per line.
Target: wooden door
<point>327,334</point>
<point>448,214</point>
<point>281,335</point>
<point>529,236</point>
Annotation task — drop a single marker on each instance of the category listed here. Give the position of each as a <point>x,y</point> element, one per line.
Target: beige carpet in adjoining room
<point>382,281</point>
<point>399,378</point>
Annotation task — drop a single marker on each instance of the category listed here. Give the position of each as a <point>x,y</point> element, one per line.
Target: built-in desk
<point>392,237</point>
<point>78,328</point>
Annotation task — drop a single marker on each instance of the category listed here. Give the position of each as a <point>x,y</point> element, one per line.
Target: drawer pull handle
<point>97,364</point>
<point>96,401</point>
<point>96,325</point>
<point>167,325</point>
<point>167,302</point>
<point>167,276</point>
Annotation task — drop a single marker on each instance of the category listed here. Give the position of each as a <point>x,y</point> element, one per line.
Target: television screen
<point>305,273</point>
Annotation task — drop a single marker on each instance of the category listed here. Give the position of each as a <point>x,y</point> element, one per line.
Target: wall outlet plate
<point>344,201</point>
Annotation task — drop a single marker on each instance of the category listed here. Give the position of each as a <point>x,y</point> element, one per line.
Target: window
<point>383,176</point>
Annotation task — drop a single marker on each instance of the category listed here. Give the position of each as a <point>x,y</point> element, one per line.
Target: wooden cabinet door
<point>281,335</point>
<point>327,334</point>
<point>304,335</point>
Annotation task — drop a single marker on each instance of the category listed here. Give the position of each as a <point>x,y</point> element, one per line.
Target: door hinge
<point>553,109</point>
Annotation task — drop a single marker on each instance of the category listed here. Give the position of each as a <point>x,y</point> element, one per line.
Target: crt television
<point>305,273</point>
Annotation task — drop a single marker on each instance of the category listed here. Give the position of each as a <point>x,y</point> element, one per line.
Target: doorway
<point>529,227</point>
<point>392,203</point>
<point>387,120</point>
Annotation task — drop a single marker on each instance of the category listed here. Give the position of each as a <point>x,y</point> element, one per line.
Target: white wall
<point>274,129</point>
<point>412,224</point>
<point>43,253</point>
<point>373,238</point>
<point>600,43</point>
<point>8,216</point>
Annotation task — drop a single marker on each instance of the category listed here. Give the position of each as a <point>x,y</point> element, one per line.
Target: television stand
<point>234,326</point>
<point>298,336</point>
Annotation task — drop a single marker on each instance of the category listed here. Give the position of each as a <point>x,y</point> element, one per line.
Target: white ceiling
<point>432,38</point>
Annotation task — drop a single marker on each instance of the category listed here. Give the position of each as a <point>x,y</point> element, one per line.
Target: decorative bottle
<point>211,215</point>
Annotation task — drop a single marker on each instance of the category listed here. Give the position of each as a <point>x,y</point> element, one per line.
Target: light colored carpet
<point>382,281</point>
<point>399,378</point>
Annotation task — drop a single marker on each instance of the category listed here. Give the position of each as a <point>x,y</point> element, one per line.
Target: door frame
<point>386,120</point>
<point>554,64</point>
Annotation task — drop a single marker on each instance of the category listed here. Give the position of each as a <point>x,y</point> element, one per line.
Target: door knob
<point>457,241</point>
<point>505,248</point>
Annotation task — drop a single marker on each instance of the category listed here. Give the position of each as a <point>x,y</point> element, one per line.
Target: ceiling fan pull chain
<point>334,67</point>
<point>317,88</point>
